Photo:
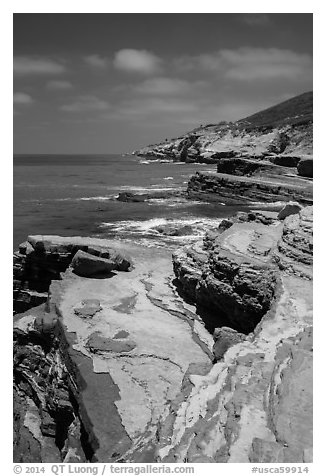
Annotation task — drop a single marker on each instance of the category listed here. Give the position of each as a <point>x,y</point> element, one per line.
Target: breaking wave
<point>160,232</point>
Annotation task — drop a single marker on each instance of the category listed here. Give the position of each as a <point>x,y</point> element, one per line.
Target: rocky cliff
<point>284,129</point>
<point>125,363</point>
<point>235,189</point>
<point>266,157</point>
<point>255,404</point>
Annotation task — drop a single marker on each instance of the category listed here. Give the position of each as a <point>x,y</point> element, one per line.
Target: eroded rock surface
<point>41,259</point>
<point>123,368</point>
<point>234,276</point>
<point>294,251</point>
<point>110,372</point>
<point>255,404</point>
<point>234,189</point>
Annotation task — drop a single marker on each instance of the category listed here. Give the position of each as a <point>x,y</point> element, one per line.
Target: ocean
<point>73,195</point>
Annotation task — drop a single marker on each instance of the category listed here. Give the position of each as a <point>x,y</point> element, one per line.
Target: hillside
<point>285,128</point>
<point>294,111</point>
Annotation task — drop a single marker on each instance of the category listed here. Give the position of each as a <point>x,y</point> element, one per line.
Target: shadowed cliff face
<point>282,129</point>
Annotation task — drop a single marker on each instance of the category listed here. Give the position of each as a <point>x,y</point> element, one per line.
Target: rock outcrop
<point>294,251</point>
<point>97,365</point>
<point>255,405</point>
<point>42,259</point>
<point>232,189</point>
<point>46,428</point>
<point>120,367</point>
<point>235,278</point>
<point>154,195</point>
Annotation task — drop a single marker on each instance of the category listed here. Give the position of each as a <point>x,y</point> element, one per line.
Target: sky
<point>112,83</point>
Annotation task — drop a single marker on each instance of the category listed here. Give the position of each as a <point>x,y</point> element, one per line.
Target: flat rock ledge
<point>97,366</point>
<point>235,189</point>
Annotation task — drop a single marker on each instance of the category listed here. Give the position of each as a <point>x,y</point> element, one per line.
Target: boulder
<point>43,258</point>
<point>172,230</point>
<point>131,197</point>
<point>25,248</point>
<point>90,266</point>
<point>305,167</point>
<point>122,261</point>
<point>290,208</point>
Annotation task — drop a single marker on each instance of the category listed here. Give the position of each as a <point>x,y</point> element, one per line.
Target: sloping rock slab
<point>124,368</point>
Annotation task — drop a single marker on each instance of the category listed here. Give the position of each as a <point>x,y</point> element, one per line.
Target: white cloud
<point>25,65</point>
<point>137,61</point>
<point>86,104</point>
<point>249,64</point>
<point>96,61</point>
<point>57,84</point>
<point>22,99</point>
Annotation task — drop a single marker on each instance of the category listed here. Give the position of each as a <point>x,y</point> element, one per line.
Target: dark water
<point>75,195</point>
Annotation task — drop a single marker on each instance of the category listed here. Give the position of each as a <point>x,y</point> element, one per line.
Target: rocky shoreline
<point>126,353</point>
<point>127,363</point>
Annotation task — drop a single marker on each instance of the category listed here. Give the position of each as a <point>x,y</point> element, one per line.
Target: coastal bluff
<point>266,157</point>
<point>203,358</point>
<point>281,133</point>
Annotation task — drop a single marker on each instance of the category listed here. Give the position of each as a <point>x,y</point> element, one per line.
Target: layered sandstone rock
<point>233,189</point>
<point>98,365</point>
<point>236,277</point>
<point>45,423</point>
<point>123,369</point>
<point>41,259</point>
<point>255,405</point>
<point>294,252</point>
